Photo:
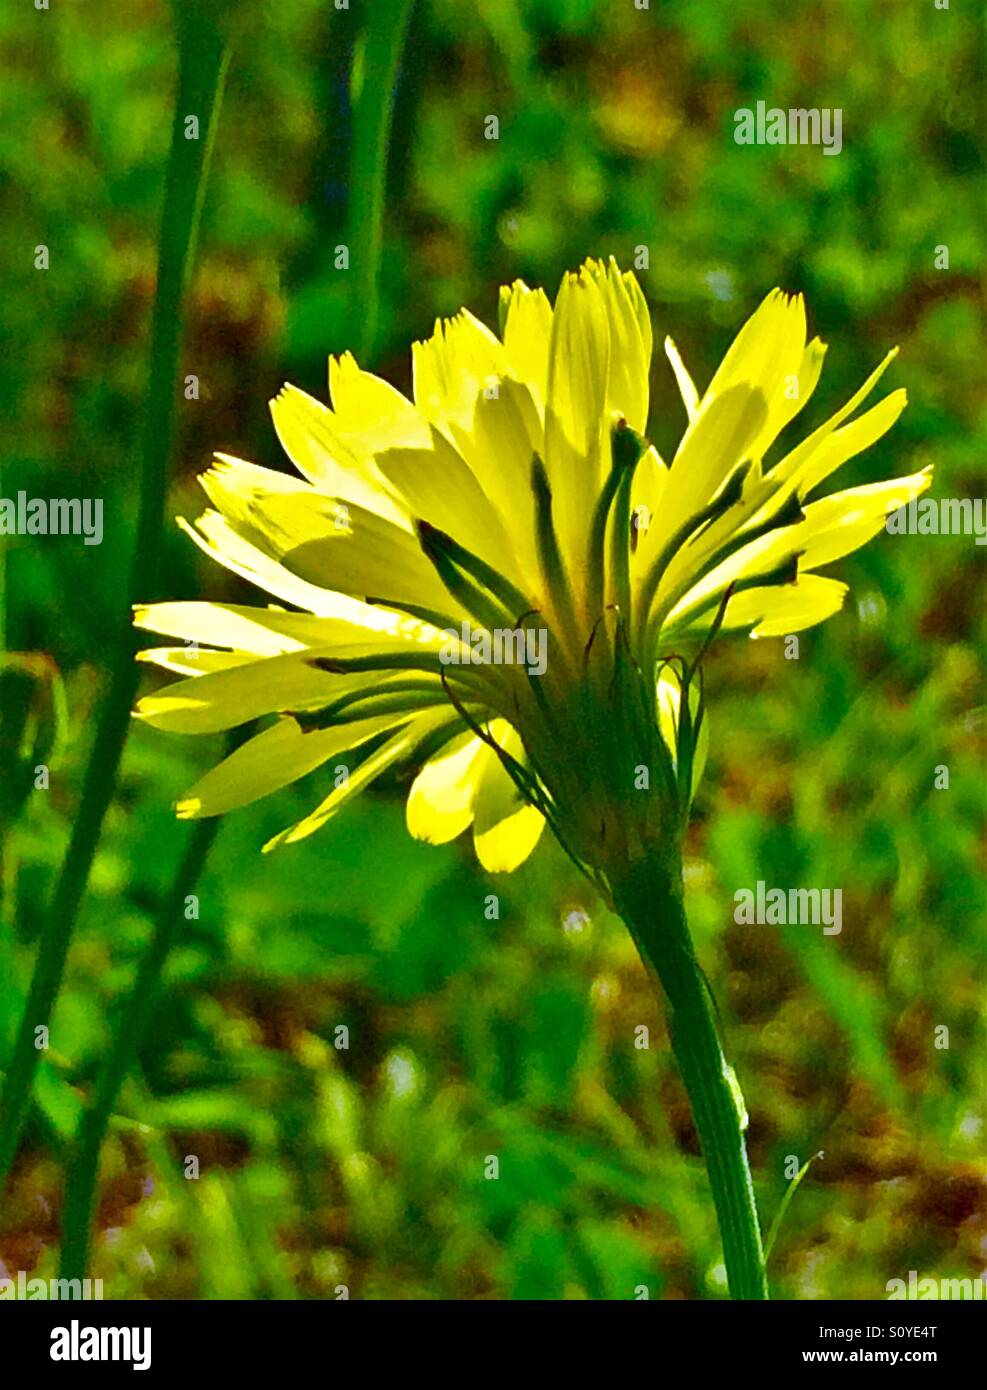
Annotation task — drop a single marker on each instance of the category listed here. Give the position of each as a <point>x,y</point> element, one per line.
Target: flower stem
<point>80,1186</point>
<point>203,59</point>
<point>373,84</point>
<point>648,896</point>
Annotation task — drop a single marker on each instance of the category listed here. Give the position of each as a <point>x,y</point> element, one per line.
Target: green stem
<point>3,583</point>
<point>648,896</point>
<point>372,94</point>
<point>203,60</point>
<point>80,1186</point>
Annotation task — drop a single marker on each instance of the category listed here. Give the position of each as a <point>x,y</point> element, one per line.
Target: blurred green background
<point>364,1167</point>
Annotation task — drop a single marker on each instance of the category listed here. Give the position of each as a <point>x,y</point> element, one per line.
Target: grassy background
<point>364,1167</point>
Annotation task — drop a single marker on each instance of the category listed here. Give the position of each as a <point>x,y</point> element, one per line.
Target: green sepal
<point>784,573</point>
<point>729,493</point>
<point>549,554</point>
<point>398,697</point>
<point>485,576</point>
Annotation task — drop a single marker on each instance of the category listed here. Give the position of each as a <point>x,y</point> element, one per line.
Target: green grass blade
<point>80,1187</point>
<point>203,60</point>
<point>372,84</point>
<point>790,1192</point>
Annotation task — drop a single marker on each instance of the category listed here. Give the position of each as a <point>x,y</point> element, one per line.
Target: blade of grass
<point>3,584</point>
<point>80,1187</point>
<point>203,61</point>
<point>790,1192</point>
<point>372,83</point>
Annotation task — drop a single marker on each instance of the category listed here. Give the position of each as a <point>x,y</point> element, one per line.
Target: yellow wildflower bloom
<point>498,579</point>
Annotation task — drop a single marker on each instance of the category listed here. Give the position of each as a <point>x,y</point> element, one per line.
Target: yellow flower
<point>498,580</point>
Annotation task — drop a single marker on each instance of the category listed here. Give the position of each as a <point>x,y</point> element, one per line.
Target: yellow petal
<point>800,472</point>
<point>505,827</point>
<point>222,700</point>
<point>794,463</point>
<point>336,462</point>
<point>272,760</point>
<point>270,510</point>
<point>767,356</point>
<point>398,746</point>
<point>786,608</point>
<point>329,542</point>
<point>648,492</point>
<point>271,631</point>
<point>192,661</point>
<point>798,387</point>
<point>261,631</point>
<point>721,436</point>
<point>630,342</point>
<point>439,487</point>
<point>527,333</point>
<point>576,423</point>
<point>440,802</point>
<point>214,535</point>
<point>452,368</point>
<point>768,348</point>
<point>837,525</point>
<point>505,435</point>
<point>278,684</point>
<point>846,443</point>
<point>343,547</point>
<point>501,846</point>
<point>832,527</point>
<point>370,412</point>
<point>686,385</point>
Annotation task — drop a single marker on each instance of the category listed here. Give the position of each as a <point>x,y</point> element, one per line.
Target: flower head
<point>503,581</point>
